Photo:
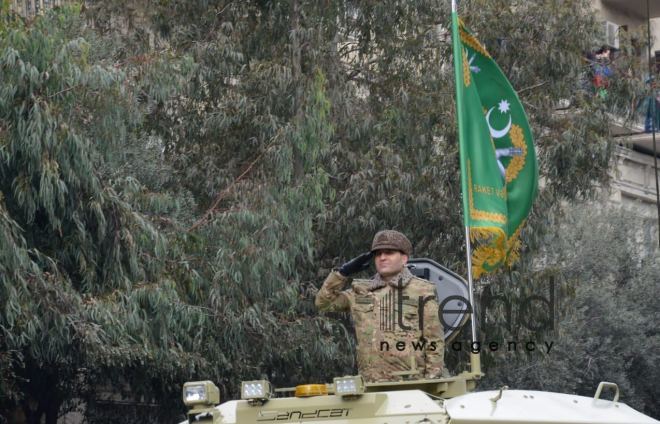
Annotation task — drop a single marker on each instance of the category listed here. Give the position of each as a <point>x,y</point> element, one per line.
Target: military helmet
<point>390,239</point>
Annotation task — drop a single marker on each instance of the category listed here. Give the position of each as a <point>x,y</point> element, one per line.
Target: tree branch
<point>63,91</point>
<point>224,193</point>
<point>531,87</point>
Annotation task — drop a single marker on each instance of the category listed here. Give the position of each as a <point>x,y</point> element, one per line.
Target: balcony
<point>634,180</point>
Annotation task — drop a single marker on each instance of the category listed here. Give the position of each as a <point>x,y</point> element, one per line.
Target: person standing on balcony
<point>602,71</point>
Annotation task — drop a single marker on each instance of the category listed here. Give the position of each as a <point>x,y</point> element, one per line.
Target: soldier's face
<point>389,262</point>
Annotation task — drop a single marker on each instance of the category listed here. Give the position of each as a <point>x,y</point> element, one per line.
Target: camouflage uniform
<point>385,347</point>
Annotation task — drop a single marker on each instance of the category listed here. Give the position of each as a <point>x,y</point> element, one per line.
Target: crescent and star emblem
<point>503,107</point>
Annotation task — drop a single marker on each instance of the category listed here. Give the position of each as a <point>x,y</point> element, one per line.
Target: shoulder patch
<point>361,282</point>
<point>361,286</point>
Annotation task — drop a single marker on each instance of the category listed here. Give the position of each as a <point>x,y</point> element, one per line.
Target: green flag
<point>498,163</point>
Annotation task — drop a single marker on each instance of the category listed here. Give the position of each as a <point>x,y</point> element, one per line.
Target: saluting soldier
<point>395,314</point>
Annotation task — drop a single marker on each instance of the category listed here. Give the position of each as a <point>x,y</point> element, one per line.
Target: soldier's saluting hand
<point>357,264</point>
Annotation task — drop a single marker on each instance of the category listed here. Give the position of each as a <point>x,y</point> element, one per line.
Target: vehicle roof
<point>514,406</point>
<point>529,406</point>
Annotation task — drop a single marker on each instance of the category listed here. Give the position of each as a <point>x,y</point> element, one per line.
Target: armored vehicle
<point>450,400</point>
<point>349,400</point>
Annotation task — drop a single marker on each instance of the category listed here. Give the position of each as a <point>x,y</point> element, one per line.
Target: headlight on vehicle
<point>200,393</point>
<point>349,386</point>
<point>255,390</point>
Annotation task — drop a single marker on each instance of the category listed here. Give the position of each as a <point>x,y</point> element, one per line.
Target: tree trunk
<point>296,74</point>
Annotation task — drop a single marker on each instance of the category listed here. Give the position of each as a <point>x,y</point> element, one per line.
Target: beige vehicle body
<point>414,402</point>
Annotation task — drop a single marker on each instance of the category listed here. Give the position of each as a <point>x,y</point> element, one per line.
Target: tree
<point>84,287</point>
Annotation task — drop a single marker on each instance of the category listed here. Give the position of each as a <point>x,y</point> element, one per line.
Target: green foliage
<point>83,286</point>
<point>254,251</point>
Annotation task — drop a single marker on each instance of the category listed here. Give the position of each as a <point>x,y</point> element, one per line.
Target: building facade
<point>634,180</point>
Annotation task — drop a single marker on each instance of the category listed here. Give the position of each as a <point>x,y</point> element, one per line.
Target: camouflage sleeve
<point>331,297</point>
<point>433,331</point>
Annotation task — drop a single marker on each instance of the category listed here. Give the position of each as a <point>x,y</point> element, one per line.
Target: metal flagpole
<point>468,253</point>
<point>652,89</point>
<point>475,359</point>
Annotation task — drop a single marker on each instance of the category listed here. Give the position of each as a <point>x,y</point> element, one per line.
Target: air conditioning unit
<point>611,32</point>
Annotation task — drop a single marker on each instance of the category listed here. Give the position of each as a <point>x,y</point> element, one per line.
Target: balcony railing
<point>31,8</point>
